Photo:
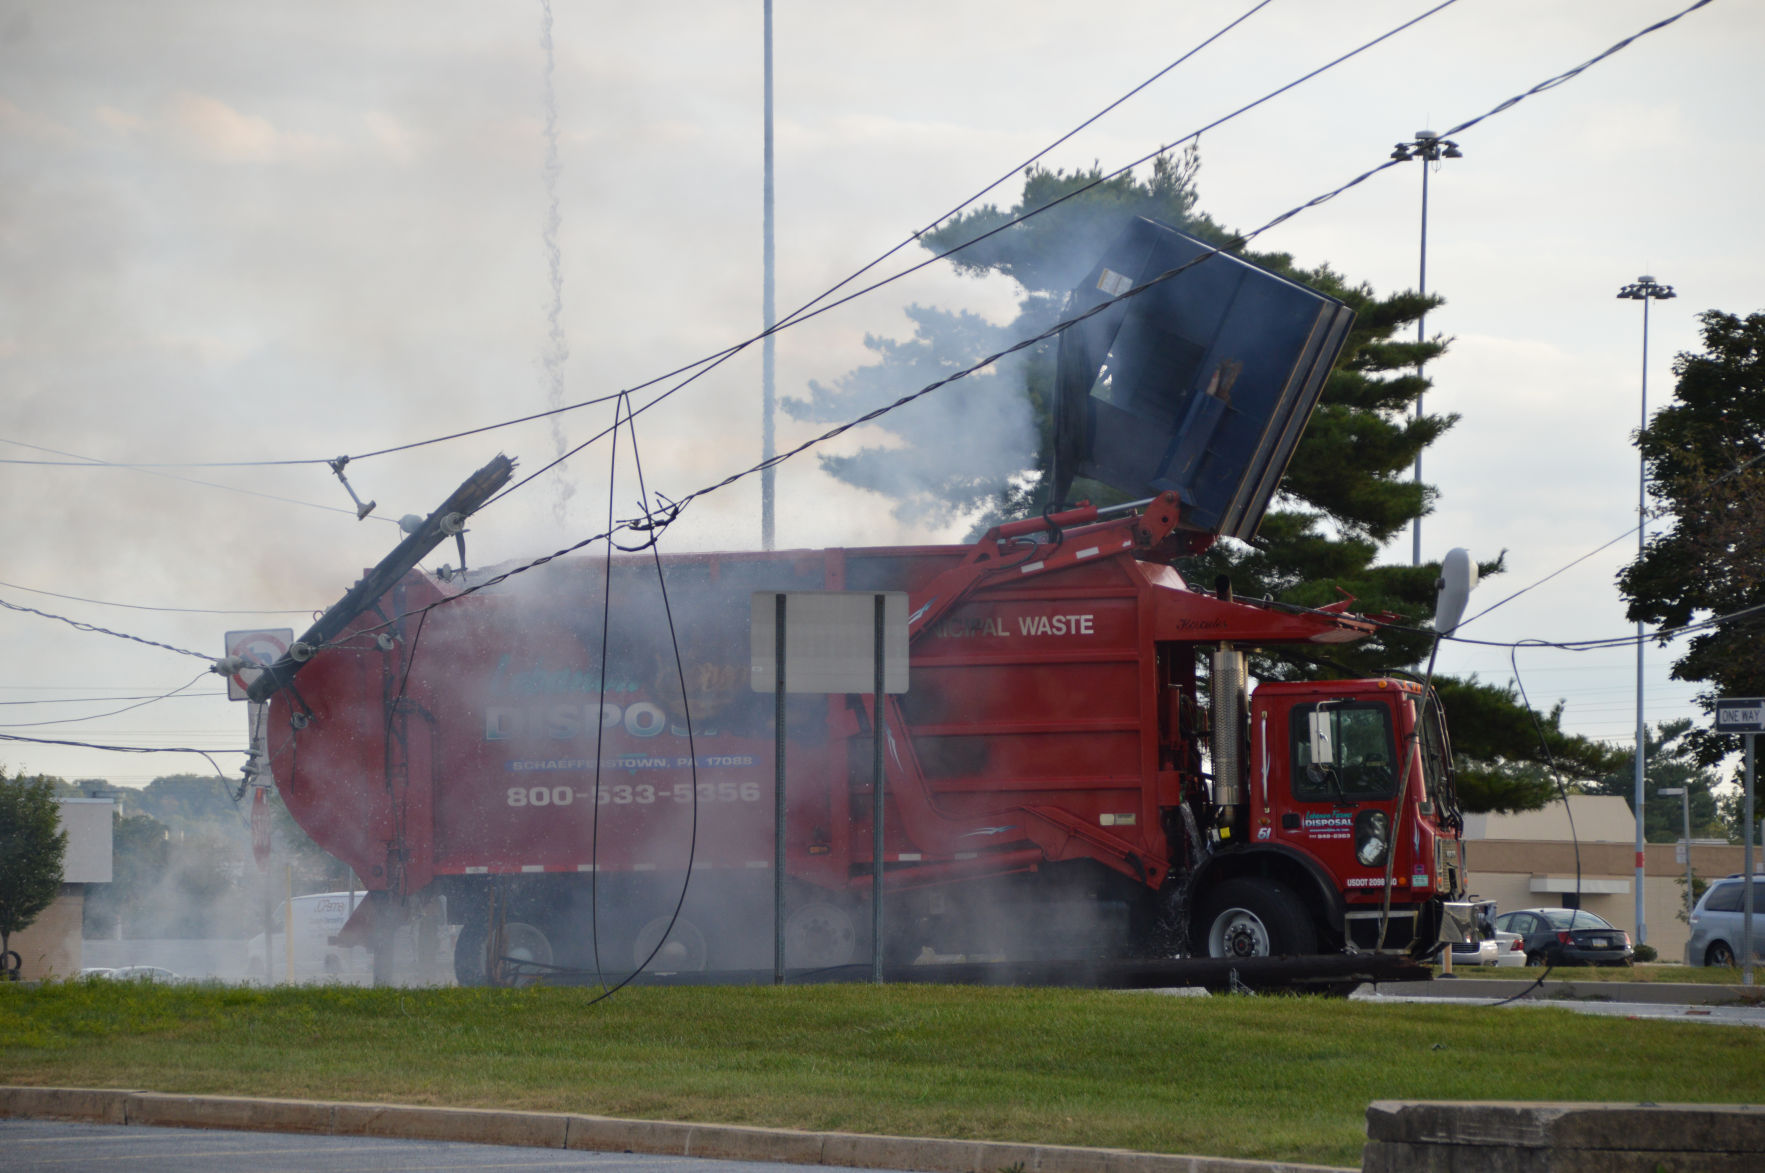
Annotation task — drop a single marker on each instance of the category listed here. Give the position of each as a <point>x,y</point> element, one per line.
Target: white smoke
<point>557,347</point>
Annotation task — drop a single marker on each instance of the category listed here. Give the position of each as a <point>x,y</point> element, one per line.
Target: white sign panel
<point>830,641</point>
<point>259,647</point>
<point>1740,715</point>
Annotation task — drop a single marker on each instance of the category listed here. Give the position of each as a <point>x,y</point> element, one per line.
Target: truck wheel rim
<point>1238,932</point>
<point>819,936</point>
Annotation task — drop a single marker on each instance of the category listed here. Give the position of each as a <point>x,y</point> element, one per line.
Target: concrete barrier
<point>471,1125</point>
<point>1492,1137</point>
<point>92,1105</point>
<point>241,1112</point>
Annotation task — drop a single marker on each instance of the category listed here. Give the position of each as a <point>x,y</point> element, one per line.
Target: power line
<point>95,700</point>
<point>806,312</point>
<point>144,607</point>
<point>92,627</point>
<point>674,508</point>
<point>94,462</point>
<point>113,712</point>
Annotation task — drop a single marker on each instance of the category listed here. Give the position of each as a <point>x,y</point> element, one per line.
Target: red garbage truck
<point>1081,764</point>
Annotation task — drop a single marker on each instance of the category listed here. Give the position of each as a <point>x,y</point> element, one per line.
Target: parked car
<point>1510,948</point>
<point>1499,949</point>
<point>1481,952</point>
<point>1716,923</point>
<point>1567,936</point>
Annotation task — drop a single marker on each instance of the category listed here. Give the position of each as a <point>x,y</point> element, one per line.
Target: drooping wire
<point>113,712</point>
<point>594,833</point>
<point>95,700</point>
<point>93,462</point>
<point>94,628</point>
<point>120,748</point>
<point>144,607</point>
<point>1563,792</point>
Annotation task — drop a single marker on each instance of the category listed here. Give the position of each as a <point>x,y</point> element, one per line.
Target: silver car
<point>1716,923</point>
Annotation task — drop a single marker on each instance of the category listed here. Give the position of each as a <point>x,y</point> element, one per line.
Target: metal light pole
<point>1430,148</point>
<point>768,315</point>
<point>1684,793</point>
<point>1644,289</point>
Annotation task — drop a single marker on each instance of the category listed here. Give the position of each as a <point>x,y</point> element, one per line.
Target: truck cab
<point>1350,823</point>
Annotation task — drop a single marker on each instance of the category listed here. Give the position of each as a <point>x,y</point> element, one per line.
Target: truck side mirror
<point>1323,751</point>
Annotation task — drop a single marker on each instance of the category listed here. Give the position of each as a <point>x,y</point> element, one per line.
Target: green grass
<point>1277,1077</point>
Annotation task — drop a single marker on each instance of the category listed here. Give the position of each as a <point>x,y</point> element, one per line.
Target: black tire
<point>1251,917</point>
<point>1535,960</point>
<point>1719,953</point>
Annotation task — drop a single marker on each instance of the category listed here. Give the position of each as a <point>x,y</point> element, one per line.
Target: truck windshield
<point>1363,765</point>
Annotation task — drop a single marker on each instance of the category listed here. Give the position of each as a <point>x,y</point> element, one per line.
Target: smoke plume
<point>557,347</point>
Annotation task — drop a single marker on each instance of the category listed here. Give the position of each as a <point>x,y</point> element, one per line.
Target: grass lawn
<point>1270,1077</point>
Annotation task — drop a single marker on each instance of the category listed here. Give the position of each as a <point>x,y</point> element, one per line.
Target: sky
<point>259,233</point>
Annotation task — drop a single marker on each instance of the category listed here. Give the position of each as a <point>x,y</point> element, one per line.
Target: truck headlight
<point>1372,837</point>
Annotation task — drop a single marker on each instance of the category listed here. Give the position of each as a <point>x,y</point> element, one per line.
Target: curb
<point>559,1130</point>
<point>1568,989</point>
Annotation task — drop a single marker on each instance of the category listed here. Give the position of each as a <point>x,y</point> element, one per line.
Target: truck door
<point>1340,808</point>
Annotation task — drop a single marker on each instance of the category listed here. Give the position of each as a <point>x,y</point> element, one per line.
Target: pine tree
<point>1345,495</point>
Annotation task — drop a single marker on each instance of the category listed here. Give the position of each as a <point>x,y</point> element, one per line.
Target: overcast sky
<point>241,232</point>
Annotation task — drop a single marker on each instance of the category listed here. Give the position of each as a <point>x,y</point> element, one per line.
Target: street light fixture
<point>1643,289</point>
<point>1684,793</point>
<point>1430,148</point>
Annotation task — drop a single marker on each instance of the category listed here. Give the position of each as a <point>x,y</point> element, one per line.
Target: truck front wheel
<point>1250,917</point>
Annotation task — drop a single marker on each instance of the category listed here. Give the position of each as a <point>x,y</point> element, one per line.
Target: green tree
<point>984,448</point>
<point>1670,760</point>
<point>32,846</point>
<point>1705,454</point>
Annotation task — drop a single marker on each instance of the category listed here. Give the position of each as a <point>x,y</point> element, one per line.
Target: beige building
<point>1528,860</point>
<point>51,946</point>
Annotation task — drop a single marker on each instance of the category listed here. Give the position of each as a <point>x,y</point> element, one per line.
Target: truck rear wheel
<point>684,951</point>
<point>1251,917</point>
<point>820,935</point>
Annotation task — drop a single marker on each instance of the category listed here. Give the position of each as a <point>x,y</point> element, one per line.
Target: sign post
<point>835,641</point>
<point>1744,715</point>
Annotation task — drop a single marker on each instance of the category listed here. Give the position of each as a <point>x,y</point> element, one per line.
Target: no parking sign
<point>256,647</point>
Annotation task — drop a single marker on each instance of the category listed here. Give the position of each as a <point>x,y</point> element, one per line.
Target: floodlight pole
<point>768,313</point>
<point>1430,148</point>
<point>1643,289</point>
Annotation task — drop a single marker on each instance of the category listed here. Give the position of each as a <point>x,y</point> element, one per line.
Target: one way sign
<point>1740,715</point>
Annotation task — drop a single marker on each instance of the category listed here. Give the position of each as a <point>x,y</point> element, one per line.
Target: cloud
<point>208,128</point>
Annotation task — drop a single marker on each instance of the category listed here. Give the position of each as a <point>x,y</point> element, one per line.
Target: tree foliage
<point>982,448</point>
<point>1705,455</point>
<point>32,847</point>
<point>1670,760</point>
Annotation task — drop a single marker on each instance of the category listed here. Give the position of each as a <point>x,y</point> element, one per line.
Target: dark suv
<point>1716,923</point>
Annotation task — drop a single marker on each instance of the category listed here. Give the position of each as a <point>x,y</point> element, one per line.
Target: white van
<point>316,919</point>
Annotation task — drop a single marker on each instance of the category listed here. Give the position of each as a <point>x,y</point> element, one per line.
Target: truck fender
<point>1276,861</point>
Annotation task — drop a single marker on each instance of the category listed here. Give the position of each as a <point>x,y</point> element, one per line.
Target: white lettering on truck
<point>565,722</point>
<point>1056,625</point>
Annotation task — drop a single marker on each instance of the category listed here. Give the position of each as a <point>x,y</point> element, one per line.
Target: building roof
<point>1599,818</point>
